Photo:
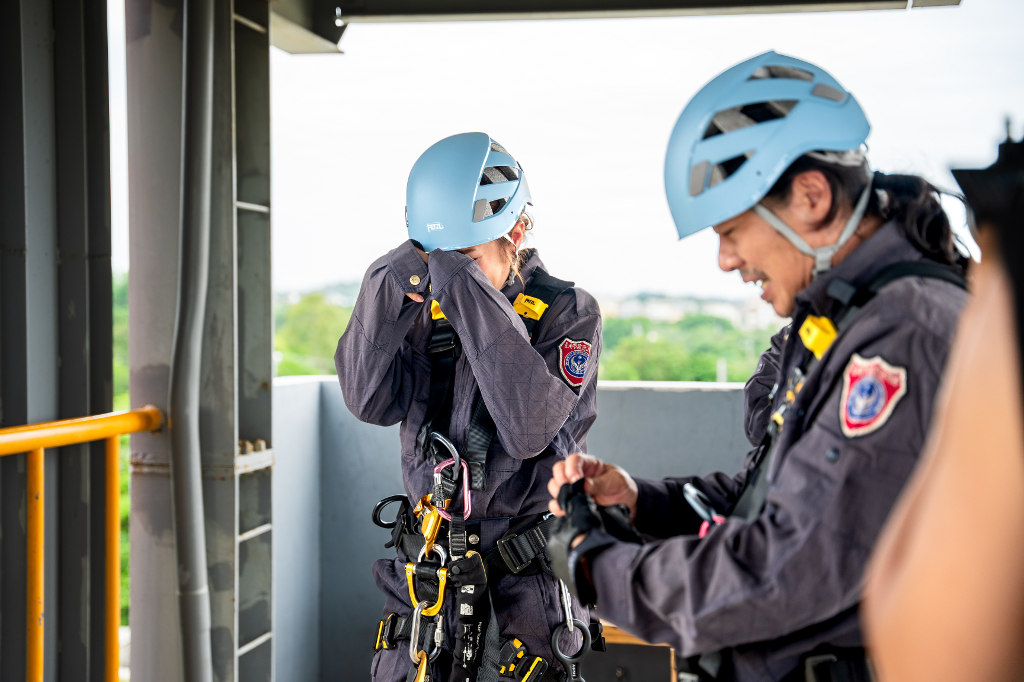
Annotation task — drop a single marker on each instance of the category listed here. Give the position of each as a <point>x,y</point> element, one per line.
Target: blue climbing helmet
<point>463,191</point>
<point>740,133</point>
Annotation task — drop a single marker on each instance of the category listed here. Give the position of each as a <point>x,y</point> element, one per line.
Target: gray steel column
<point>28,302</point>
<point>85,323</point>
<point>154,67</point>
<point>237,336</point>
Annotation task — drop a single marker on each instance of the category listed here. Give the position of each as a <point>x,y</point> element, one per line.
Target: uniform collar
<point>887,246</point>
<point>533,262</point>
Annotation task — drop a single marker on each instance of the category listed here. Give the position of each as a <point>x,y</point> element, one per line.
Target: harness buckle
<point>443,338</point>
<point>505,549</point>
<point>812,662</point>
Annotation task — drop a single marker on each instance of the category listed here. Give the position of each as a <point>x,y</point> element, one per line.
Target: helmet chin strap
<point>823,254</point>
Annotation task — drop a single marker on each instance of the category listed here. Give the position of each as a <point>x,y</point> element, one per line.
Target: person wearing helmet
<point>490,364</point>
<point>758,576</point>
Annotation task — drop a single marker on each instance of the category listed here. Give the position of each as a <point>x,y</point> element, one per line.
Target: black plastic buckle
<point>443,337</point>
<point>387,633</point>
<point>506,549</point>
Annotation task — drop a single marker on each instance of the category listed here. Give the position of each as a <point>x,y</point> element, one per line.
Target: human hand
<point>607,484</point>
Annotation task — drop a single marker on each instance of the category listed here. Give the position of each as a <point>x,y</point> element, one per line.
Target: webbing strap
<point>546,288</point>
<point>478,441</point>
<point>490,657</point>
<point>755,491</point>
<point>443,349</point>
<point>517,550</point>
<point>399,629</point>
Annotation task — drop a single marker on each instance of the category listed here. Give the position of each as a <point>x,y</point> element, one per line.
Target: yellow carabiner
<point>421,668</point>
<point>431,521</point>
<point>442,578</point>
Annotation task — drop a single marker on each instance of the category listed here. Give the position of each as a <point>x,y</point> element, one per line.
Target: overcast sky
<point>587,107</point>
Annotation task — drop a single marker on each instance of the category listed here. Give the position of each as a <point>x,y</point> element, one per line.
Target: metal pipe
<point>34,613</point>
<point>112,560</point>
<point>186,359</point>
<point>55,434</point>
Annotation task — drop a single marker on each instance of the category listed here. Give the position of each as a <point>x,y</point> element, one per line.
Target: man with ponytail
<point>758,575</point>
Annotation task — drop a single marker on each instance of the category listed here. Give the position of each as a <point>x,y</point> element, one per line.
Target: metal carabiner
<point>379,507</point>
<point>414,636</point>
<point>702,505</point>
<point>438,438</point>
<point>571,663</point>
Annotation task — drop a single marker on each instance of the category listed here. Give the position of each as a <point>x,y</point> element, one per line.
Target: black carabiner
<point>379,507</point>
<point>571,663</point>
<point>436,437</point>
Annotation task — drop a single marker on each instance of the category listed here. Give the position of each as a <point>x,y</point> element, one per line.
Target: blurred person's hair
<point>910,200</point>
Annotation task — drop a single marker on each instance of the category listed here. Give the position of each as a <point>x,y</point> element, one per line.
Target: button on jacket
<point>773,589</point>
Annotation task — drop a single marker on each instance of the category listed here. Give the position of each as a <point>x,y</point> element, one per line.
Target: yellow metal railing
<point>33,439</point>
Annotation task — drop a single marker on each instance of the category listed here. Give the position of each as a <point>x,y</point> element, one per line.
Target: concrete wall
<point>669,428</point>
<point>296,514</point>
<point>330,469</point>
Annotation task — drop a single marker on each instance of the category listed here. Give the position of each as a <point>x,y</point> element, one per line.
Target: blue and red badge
<point>871,389</point>
<point>572,358</point>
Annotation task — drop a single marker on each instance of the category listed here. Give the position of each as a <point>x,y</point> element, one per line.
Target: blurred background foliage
<point>696,348</point>
<point>121,403</point>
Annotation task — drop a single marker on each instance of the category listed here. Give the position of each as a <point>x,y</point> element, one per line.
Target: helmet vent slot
<point>828,92</point>
<point>493,174</point>
<point>495,147</point>
<point>737,118</point>
<point>721,171</point>
<point>485,209</point>
<point>789,72</point>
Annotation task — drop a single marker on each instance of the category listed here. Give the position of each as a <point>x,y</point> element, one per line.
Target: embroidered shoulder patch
<point>572,359</point>
<point>871,389</point>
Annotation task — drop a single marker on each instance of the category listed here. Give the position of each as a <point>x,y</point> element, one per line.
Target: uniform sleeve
<point>801,561</point>
<point>528,402</point>
<point>757,408</point>
<point>375,361</point>
<point>663,512</point>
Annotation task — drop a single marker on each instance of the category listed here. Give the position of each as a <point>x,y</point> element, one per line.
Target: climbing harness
<point>447,544</point>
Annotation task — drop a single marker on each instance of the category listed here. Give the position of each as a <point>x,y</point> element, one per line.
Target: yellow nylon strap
<point>817,333</point>
<point>529,306</point>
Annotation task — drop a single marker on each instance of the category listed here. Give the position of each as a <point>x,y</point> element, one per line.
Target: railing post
<point>34,612</point>
<point>112,580</point>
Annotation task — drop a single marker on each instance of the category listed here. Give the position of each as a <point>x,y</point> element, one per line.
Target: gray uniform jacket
<point>776,587</point>
<point>385,378</point>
